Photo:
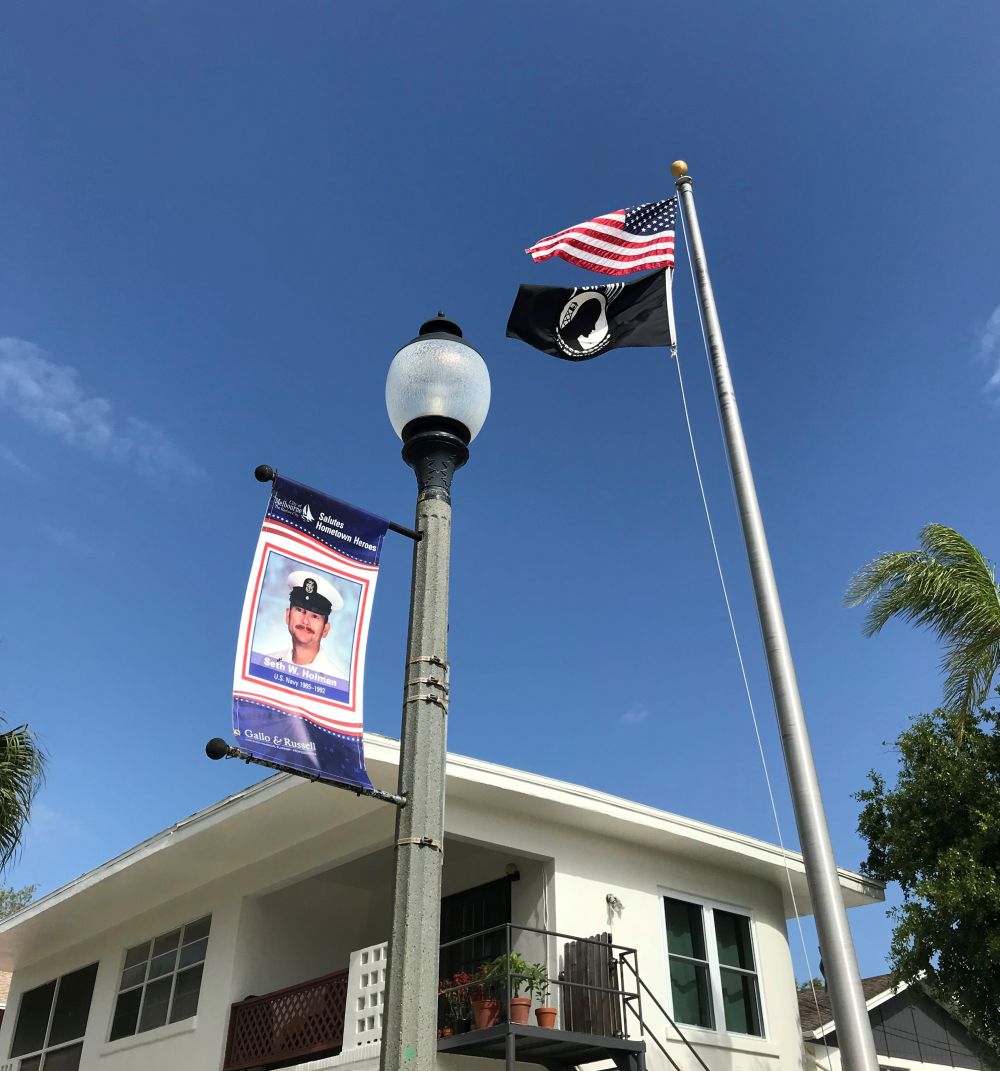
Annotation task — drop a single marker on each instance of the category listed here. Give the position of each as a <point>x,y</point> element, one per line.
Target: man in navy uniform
<point>311,600</point>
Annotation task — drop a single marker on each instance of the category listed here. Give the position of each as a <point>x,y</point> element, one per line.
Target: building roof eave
<point>224,836</point>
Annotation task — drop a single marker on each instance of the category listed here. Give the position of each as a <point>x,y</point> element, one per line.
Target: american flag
<point>631,239</point>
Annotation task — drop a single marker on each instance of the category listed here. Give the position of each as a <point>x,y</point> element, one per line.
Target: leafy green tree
<point>13,900</point>
<point>937,833</point>
<point>950,588</point>
<point>22,769</point>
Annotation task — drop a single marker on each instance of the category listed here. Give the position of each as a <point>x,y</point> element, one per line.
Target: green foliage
<point>13,900</point>
<point>537,982</point>
<point>950,588</point>
<point>22,767</point>
<point>512,965</point>
<point>809,985</point>
<point>937,833</point>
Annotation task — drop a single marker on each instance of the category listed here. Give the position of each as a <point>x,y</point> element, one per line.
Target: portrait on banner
<point>305,626</point>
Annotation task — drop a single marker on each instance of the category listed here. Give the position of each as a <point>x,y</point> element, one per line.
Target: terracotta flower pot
<point>519,1008</point>
<point>546,1016</point>
<point>485,1013</point>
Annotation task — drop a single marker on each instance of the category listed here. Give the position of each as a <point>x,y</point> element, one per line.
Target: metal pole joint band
<point>442,703</point>
<point>431,682</point>
<point>431,660</point>
<point>420,842</point>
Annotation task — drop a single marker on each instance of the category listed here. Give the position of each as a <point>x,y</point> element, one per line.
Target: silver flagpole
<point>854,1035</point>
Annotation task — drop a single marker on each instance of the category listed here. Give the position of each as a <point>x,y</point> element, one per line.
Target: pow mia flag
<point>581,322</point>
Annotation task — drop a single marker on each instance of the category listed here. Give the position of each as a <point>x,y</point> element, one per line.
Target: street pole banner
<point>300,656</point>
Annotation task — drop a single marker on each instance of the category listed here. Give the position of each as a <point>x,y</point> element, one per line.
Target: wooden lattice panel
<point>302,1020</point>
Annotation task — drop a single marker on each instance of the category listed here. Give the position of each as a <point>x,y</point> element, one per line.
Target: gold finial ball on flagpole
<point>678,169</point>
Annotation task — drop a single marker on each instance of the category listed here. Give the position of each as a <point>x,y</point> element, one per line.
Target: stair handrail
<point>667,1016</point>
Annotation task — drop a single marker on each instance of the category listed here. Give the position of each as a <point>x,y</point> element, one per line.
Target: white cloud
<point>989,348</point>
<point>634,716</point>
<point>11,462</point>
<point>63,538</point>
<point>51,397</point>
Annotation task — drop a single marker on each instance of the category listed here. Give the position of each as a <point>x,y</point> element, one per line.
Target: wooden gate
<point>591,994</point>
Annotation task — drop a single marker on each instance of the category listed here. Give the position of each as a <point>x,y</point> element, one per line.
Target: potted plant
<point>455,990</point>
<point>486,1008</point>
<point>514,968</point>
<point>508,968</point>
<point>537,983</point>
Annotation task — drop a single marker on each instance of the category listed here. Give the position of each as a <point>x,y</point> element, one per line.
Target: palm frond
<point>949,588</point>
<point>969,671</point>
<point>22,770</point>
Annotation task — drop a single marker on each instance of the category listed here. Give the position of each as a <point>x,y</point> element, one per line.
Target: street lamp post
<point>437,393</point>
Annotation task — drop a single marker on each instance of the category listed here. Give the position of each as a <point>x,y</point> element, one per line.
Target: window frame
<point>143,986</point>
<point>47,1049</point>
<point>708,908</point>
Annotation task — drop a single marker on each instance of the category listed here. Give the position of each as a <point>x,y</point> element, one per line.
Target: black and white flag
<point>577,323</point>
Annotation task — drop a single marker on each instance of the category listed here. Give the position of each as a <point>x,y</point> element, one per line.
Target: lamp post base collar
<point>434,447</point>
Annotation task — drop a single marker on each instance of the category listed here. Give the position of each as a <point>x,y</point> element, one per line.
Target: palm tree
<point>950,588</point>
<point>22,769</point>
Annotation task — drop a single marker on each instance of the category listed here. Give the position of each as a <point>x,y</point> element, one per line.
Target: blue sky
<point>221,221</point>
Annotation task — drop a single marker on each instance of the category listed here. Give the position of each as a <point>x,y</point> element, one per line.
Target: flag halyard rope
<point>732,625</point>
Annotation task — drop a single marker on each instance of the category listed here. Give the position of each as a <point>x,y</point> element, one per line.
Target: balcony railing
<point>589,989</point>
<point>302,1020</point>
<point>585,1012</point>
<point>593,991</point>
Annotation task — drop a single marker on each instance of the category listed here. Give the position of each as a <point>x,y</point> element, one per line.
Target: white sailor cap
<point>312,592</point>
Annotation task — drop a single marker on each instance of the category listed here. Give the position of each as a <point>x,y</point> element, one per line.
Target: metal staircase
<point>600,1004</point>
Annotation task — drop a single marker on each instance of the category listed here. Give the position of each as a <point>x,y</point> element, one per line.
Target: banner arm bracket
<point>267,474</point>
<point>408,532</point>
<point>235,753</point>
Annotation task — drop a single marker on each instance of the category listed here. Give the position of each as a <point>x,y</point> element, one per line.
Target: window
<point>161,980</point>
<point>713,973</point>
<point>51,1022</point>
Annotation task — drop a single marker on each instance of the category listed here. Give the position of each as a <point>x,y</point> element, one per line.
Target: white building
<point>137,964</point>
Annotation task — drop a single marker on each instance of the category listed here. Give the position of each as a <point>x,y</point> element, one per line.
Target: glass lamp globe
<point>438,374</point>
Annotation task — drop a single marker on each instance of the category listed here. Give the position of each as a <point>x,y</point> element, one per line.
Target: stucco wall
<point>244,956</point>
<point>468,864</point>
<point>289,916</point>
<point>296,934</point>
<point>194,1043</point>
<point>587,867</point>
